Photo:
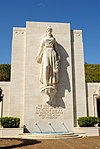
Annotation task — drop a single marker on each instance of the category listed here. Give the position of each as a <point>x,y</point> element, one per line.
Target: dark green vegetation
<point>92,72</point>
<point>1,95</point>
<point>5,70</point>
<point>9,122</point>
<point>89,121</point>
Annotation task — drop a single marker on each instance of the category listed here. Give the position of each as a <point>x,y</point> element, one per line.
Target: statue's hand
<point>38,59</point>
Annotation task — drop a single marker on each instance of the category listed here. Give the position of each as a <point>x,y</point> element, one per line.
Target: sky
<point>82,14</point>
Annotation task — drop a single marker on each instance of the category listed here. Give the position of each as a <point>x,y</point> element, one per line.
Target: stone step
<point>48,136</point>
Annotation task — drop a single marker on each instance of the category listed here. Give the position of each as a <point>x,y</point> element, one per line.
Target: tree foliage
<point>5,70</point>
<point>92,72</point>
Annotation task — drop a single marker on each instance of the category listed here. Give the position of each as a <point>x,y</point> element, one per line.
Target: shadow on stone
<point>64,82</point>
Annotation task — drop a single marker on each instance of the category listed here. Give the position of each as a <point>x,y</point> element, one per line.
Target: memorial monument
<point>47,89</point>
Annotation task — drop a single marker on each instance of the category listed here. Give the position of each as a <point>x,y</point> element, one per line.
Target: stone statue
<point>49,58</point>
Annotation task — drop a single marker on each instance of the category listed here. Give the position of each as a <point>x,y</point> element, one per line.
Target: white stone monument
<point>26,97</point>
<point>48,96</point>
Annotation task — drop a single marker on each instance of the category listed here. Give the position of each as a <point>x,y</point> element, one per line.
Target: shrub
<point>10,122</point>
<point>89,121</point>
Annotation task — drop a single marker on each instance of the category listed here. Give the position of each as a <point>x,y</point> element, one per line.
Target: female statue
<point>49,57</point>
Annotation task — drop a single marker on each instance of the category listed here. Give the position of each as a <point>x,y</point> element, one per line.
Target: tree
<point>5,71</point>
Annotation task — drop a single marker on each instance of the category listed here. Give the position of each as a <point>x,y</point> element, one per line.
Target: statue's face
<point>49,31</point>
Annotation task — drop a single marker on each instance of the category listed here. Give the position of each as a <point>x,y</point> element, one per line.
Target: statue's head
<point>49,30</point>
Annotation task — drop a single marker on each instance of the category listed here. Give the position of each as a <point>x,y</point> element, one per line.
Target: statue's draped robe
<point>48,56</point>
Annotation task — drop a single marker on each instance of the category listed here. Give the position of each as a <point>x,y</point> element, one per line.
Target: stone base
<point>10,132</point>
<point>69,135</point>
<point>88,131</point>
<point>48,92</point>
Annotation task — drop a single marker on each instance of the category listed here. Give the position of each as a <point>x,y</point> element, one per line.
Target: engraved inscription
<point>48,112</point>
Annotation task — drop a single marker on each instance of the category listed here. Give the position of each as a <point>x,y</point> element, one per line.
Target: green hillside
<point>92,72</point>
<point>5,70</point>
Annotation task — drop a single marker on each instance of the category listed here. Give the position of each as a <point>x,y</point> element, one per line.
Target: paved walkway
<point>79,143</point>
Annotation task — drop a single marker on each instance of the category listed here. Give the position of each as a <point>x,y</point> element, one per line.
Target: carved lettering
<point>48,112</point>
